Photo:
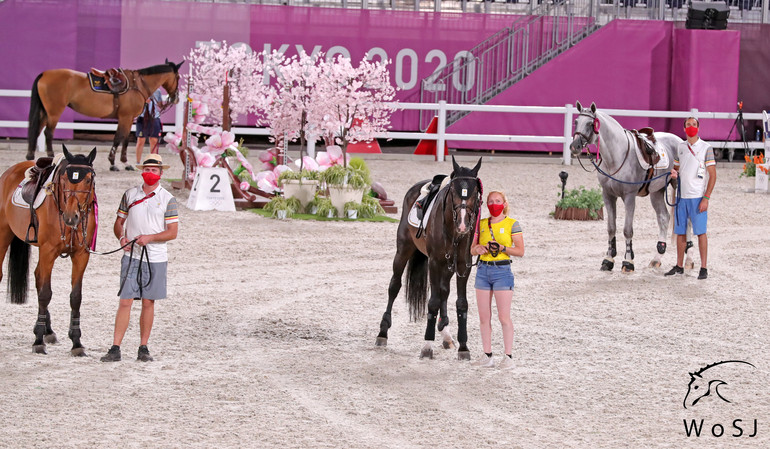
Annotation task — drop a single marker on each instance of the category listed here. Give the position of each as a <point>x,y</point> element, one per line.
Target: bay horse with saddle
<point>433,247</point>
<point>51,204</point>
<point>119,94</point>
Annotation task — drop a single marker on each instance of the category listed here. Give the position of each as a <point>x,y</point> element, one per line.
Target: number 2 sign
<point>211,190</point>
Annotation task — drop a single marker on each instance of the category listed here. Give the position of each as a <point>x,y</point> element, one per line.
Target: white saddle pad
<point>662,163</point>
<point>413,220</point>
<point>18,201</point>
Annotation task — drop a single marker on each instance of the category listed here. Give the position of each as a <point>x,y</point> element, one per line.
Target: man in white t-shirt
<point>695,167</point>
<point>147,214</point>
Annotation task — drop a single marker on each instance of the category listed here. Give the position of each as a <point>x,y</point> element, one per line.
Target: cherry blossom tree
<point>228,78</point>
<point>351,104</point>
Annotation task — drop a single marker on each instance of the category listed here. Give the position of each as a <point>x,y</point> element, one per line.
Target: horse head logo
<point>703,384</point>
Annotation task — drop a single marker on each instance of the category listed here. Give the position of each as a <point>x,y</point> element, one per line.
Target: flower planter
<point>304,191</point>
<point>341,195</point>
<point>353,214</point>
<point>574,213</point>
<point>281,214</point>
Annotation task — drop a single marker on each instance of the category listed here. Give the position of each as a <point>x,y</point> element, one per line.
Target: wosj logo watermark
<point>717,388</point>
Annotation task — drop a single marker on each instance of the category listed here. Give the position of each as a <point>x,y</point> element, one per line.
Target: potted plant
<point>325,208</point>
<point>281,207</point>
<point>351,210</point>
<point>300,185</point>
<point>347,184</point>
<point>580,204</point>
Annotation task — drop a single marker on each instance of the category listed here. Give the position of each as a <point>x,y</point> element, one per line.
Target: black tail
<point>417,285</point>
<point>36,114</point>
<point>18,271</point>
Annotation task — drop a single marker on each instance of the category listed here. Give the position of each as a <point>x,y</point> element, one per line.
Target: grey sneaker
<point>144,354</point>
<point>113,355</point>
<point>484,361</point>
<point>506,363</point>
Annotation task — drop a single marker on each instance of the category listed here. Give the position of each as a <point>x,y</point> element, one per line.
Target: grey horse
<point>621,175</point>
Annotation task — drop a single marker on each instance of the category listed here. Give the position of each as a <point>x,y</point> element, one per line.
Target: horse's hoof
<point>78,352</point>
<point>607,265</point>
<point>114,168</point>
<point>427,352</point>
<point>689,265</point>
<point>381,341</point>
<point>51,338</point>
<point>39,349</point>
<point>448,344</point>
<point>30,156</point>
<point>628,267</point>
<point>655,264</point>
<point>463,355</point>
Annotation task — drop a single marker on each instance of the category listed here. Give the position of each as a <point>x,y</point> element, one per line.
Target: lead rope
<point>142,256</point>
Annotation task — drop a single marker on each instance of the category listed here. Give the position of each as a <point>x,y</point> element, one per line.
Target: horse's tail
<point>36,114</point>
<point>18,271</point>
<point>417,285</point>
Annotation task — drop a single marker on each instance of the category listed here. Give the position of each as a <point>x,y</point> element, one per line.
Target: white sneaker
<point>484,361</point>
<point>506,363</point>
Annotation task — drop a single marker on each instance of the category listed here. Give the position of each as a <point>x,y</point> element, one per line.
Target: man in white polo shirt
<point>695,167</point>
<point>147,214</point>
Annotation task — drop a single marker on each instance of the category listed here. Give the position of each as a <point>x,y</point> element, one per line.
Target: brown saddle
<point>38,174</point>
<point>116,79</point>
<point>645,139</point>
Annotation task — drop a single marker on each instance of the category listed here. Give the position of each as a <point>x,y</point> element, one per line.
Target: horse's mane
<point>155,69</point>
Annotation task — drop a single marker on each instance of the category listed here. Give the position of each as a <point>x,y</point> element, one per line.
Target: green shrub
<point>583,199</point>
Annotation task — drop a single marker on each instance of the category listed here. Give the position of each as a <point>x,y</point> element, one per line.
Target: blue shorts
<point>151,129</point>
<point>688,208</point>
<point>494,277</point>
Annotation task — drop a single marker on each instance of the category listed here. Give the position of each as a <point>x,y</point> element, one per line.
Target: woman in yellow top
<point>497,238</point>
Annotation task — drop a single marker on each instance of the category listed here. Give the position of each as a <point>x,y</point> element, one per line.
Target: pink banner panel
<point>624,65</point>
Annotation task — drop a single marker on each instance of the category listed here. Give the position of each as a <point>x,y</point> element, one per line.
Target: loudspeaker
<point>707,16</point>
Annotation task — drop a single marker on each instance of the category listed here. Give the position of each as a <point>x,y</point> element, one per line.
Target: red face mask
<point>691,131</point>
<point>150,178</point>
<point>495,209</point>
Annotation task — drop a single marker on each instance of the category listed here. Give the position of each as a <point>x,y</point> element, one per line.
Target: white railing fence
<point>440,109</point>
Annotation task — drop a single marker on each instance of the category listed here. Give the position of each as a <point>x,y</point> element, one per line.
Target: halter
<point>594,132</point>
<point>75,173</point>
<point>473,218</point>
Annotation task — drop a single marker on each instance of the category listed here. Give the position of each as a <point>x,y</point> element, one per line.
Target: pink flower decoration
<point>280,169</point>
<point>335,154</point>
<point>218,143</point>
<point>308,163</point>
<point>245,186</point>
<point>172,142</point>
<point>323,159</point>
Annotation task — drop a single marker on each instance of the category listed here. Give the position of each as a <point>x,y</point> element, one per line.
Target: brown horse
<point>54,90</point>
<point>67,222</point>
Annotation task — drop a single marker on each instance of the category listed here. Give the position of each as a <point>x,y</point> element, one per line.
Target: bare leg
<point>154,145</point>
<point>139,149</point>
<point>503,300</point>
<point>484,303</point>
<point>146,319</point>
<point>121,320</point>
<point>703,247</point>
<point>681,243</point>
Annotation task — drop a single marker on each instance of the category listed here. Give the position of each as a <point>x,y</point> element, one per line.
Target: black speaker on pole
<point>707,16</point>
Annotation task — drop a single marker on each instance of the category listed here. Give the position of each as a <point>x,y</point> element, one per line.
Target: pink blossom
<point>172,142</point>
<point>245,186</point>
<point>308,163</point>
<point>218,143</point>
<point>267,181</point>
<point>280,169</point>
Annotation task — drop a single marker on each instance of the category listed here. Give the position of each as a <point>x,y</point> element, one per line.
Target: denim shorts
<point>494,277</point>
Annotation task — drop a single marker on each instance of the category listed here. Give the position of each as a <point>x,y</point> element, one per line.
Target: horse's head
<point>700,386</point>
<point>464,197</point>
<point>75,186</point>
<point>586,129</point>
<point>171,85</point>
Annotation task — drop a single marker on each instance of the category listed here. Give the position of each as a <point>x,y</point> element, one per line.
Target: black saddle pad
<point>98,84</point>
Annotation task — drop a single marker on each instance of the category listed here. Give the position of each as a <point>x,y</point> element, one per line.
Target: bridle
<point>596,158</point>
<point>62,194</point>
<point>472,217</point>
<point>172,98</point>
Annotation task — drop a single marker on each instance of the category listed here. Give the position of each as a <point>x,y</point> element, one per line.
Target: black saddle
<point>29,191</point>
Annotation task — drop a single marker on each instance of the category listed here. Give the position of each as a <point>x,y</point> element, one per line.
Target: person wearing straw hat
<point>147,219</point>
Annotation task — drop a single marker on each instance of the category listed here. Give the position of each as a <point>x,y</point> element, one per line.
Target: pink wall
<point>624,65</point>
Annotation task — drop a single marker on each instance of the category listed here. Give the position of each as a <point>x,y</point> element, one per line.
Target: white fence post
<point>567,156</point>
<point>179,116</point>
<point>441,131</point>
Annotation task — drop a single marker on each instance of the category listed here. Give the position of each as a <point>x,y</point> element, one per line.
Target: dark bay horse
<point>621,176</point>
<point>67,222</point>
<point>54,90</point>
<point>440,252</point>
